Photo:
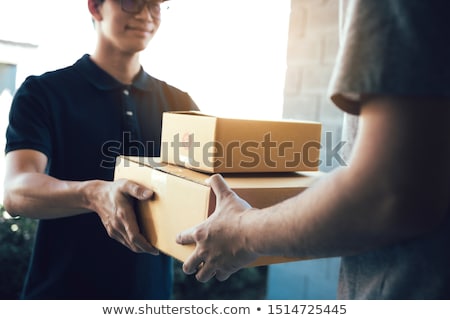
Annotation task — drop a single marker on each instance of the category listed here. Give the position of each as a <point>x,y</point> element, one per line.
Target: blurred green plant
<point>16,242</point>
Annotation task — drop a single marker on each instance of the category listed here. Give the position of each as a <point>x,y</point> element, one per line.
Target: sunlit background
<point>212,49</point>
<point>229,56</point>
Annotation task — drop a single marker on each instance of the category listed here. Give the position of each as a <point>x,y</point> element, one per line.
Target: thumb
<point>138,191</point>
<point>222,190</point>
<point>185,237</point>
<point>219,186</point>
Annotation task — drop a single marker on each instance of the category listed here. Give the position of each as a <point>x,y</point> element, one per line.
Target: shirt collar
<point>104,81</point>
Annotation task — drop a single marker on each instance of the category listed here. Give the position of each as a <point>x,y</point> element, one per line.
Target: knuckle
<point>125,184</point>
<point>227,195</point>
<point>199,234</point>
<point>110,232</point>
<point>135,249</point>
<point>115,228</point>
<point>202,252</point>
<point>133,187</point>
<point>120,213</point>
<point>121,183</point>
<point>133,238</point>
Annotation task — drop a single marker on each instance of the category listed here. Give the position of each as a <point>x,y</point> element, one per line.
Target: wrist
<point>89,194</point>
<point>249,229</point>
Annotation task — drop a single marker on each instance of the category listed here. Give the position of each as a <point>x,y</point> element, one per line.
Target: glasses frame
<point>153,6</point>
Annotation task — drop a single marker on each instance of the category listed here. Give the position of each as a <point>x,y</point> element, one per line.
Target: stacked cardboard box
<point>264,162</point>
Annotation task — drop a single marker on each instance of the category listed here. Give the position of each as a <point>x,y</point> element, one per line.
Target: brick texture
<point>312,48</point>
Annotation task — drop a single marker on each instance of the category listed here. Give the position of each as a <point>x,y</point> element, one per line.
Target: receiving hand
<point>220,240</point>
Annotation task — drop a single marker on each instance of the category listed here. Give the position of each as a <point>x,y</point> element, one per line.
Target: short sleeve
<point>29,122</point>
<point>390,47</point>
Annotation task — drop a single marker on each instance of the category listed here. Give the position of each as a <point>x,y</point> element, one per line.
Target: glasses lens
<point>155,8</point>
<point>136,6</point>
<point>132,6</point>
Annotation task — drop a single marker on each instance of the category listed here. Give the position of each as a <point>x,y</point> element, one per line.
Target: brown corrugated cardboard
<point>183,200</point>
<point>220,145</point>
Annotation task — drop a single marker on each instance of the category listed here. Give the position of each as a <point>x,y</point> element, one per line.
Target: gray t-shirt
<point>402,48</point>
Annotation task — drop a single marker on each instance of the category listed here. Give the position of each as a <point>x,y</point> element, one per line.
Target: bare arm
<point>396,187</point>
<point>31,193</point>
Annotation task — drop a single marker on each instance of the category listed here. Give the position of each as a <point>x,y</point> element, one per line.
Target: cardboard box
<point>220,145</point>
<point>183,200</point>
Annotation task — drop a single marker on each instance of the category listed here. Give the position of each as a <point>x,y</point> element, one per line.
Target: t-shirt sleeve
<point>392,48</point>
<point>179,100</point>
<point>29,122</point>
<point>189,103</point>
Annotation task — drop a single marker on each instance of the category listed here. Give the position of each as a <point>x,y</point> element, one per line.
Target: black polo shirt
<point>81,119</point>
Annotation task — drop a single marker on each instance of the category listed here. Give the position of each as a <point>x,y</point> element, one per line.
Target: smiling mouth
<point>141,30</point>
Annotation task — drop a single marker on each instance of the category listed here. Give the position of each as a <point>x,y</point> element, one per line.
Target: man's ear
<point>94,10</point>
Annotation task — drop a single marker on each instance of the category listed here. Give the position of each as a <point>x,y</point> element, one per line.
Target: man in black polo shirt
<point>66,128</point>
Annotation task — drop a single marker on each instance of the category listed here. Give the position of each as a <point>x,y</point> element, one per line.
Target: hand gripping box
<point>183,200</point>
<point>222,145</point>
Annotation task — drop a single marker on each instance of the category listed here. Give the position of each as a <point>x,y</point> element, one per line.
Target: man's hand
<point>30,192</point>
<point>220,246</point>
<point>114,203</point>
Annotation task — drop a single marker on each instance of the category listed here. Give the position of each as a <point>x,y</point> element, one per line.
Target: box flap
<point>190,112</point>
<point>157,164</point>
<point>235,180</point>
<point>256,120</point>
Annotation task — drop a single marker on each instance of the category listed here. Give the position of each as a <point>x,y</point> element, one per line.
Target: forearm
<point>37,195</point>
<point>384,196</point>
<point>340,215</point>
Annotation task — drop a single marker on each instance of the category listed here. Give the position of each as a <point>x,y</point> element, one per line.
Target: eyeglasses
<point>136,6</point>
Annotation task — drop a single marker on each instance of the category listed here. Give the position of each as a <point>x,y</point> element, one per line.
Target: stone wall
<point>312,48</point>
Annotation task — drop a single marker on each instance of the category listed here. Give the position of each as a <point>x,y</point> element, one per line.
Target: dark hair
<point>99,2</point>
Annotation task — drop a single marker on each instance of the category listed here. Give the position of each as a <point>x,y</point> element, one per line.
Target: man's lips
<point>139,29</point>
